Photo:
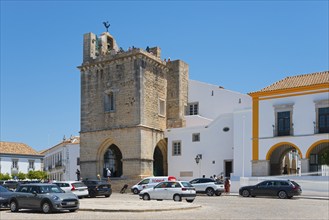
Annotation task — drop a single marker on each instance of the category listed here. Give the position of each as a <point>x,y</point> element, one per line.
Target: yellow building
<point>290,125</point>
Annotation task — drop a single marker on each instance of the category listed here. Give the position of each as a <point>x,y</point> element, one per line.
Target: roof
<point>66,141</point>
<point>304,80</point>
<point>16,148</point>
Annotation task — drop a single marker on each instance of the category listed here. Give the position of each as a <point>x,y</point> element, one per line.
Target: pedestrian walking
<point>227,185</point>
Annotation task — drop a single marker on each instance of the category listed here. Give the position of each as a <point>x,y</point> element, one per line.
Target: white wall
<point>216,107</point>
<point>303,116</point>
<point>242,143</point>
<point>23,163</point>
<point>215,145</point>
<point>222,101</point>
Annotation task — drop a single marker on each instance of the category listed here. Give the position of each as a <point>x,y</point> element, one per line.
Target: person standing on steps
<point>108,174</point>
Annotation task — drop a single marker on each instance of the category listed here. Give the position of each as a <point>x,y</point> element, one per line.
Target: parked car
<point>5,194</point>
<point>168,190</point>
<point>150,182</point>
<point>42,196</point>
<point>11,184</point>
<point>98,188</point>
<point>76,187</point>
<point>280,188</point>
<point>208,186</point>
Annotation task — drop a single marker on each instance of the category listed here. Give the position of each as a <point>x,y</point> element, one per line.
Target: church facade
<point>128,99</point>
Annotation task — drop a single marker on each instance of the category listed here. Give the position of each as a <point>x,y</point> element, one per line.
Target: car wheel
<point>282,195</point>
<point>72,210</point>
<point>146,196</point>
<point>289,197</point>
<point>218,193</point>
<point>80,197</point>
<point>135,191</point>
<point>92,194</point>
<point>107,196</point>
<point>177,198</point>
<point>46,207</point>
<point>13,206</point>
<point>189,200</point>
<point>245,193</point>
<point>210,191</point>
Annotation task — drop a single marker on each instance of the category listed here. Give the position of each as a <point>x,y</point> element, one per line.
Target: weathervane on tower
<point>107,25</point>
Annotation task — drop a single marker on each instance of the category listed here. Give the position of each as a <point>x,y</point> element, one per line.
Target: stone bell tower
<point>128,99</point>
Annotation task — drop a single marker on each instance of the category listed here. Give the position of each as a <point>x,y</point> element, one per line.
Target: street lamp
<point>198,158</point>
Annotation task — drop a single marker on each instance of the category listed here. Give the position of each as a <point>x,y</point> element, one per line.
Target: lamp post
<point>197,158</point>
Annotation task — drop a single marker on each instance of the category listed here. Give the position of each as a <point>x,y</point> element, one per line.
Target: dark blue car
<point>280,188</point>
<point>5,194</point>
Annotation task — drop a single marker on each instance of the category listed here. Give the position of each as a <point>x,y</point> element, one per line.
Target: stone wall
<point>140,83</point>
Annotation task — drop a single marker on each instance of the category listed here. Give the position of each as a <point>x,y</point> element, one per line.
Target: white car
<point>150,182</point>
<point>76,187</point>
<point>170,190</point>
<point>208,186</point>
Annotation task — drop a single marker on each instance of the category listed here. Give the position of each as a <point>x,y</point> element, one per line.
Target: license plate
<point>71,203</point>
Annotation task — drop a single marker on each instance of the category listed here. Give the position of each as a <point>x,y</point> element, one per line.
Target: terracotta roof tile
<point>298,81</point>
<point>16,148</point>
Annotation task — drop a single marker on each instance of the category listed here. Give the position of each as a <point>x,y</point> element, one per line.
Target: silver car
<point>170,190</point>
<point>45,197</point>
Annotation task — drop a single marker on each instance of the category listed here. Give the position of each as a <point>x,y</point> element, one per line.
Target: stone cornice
<point>137,53</point>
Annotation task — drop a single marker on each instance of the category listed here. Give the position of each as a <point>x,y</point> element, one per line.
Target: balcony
<point>58,164</point>
<point>283,132</point>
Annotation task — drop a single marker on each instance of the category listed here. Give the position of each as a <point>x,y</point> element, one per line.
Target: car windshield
<point>3,189</point>
<point>186,184</point>
<point>50,189</point>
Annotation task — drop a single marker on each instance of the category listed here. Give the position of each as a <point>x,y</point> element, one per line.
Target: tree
<point>5,176</point>
<point>40,175</point>
<point>21,176</point>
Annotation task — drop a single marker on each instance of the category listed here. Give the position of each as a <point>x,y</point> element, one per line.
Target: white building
<point>290,125</point>
<point>62,161</point>
<point>18,157</point>
<point>205,146</point>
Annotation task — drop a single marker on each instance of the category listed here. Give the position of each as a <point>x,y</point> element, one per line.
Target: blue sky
<point>240,45</point>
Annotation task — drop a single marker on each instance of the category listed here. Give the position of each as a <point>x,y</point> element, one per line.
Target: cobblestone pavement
<point>204,207</point>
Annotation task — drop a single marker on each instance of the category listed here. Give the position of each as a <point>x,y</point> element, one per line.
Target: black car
<point>280,188</point>
<point>5,194</point>
<point>41,196</point>
<point>98,188</point>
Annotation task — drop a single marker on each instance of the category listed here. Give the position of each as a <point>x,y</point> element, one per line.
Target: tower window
<point>109,102</point>
<point>162,107</point>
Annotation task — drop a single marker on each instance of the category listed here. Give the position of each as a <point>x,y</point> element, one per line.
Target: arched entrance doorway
<point>158,162</point>
<point>113,161</point>
<point>318,155</point>
<point>283,154</point>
